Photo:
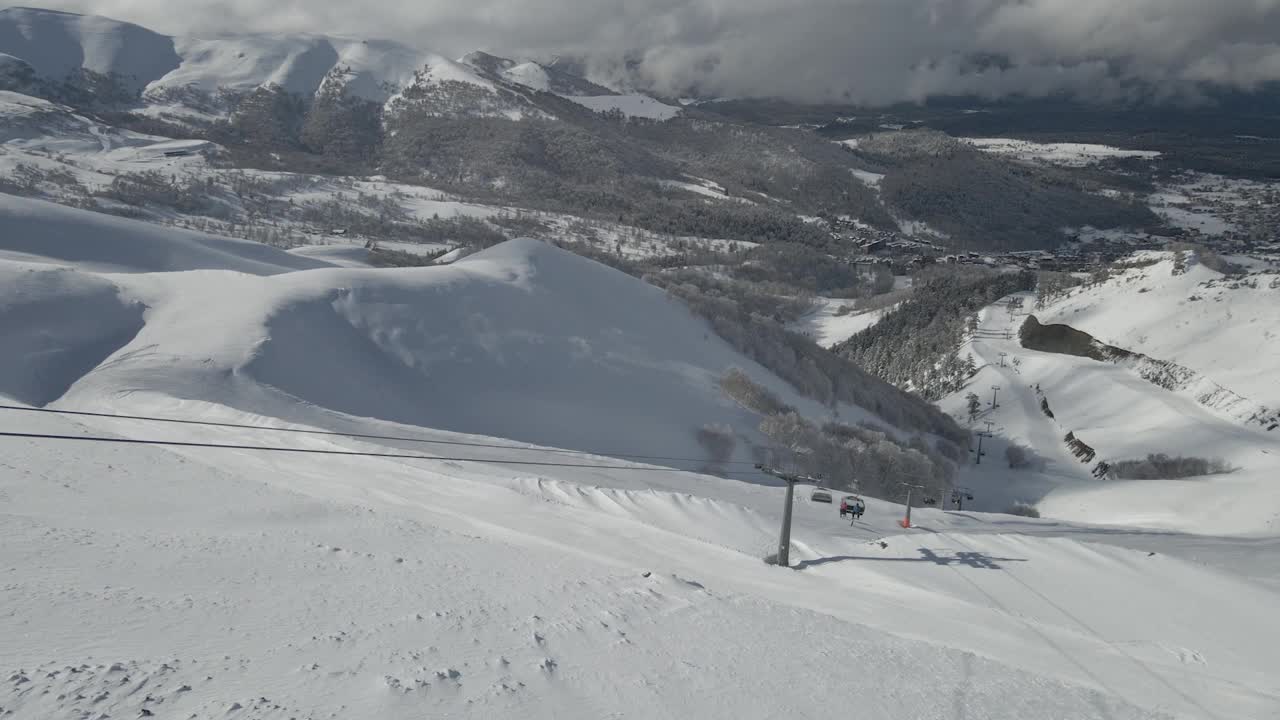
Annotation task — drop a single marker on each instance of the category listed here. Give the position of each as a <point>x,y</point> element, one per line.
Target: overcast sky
<point>860,50</point>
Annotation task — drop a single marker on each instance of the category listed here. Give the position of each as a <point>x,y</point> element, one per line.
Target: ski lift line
<point>361,436</point>
<point>350,453</point>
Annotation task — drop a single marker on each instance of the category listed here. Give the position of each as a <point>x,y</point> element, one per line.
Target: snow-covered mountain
<point>189,70</point>
<point>1192,315</point>
<point>535,497</point>
<point>1204,389</point>
<point>522,325</point>
<point>535,75</point>
<point>152,581</point>
<point>58,44</point>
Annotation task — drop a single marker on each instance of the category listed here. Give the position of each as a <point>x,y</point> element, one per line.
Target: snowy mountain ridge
<point>167,70</point>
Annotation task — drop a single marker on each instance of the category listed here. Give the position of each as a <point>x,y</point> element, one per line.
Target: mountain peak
<point>481,60</point>
<point>60,44</point>
<point>24,9</point>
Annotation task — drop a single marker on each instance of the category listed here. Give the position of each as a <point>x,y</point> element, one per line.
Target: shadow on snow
<point>978,560</point>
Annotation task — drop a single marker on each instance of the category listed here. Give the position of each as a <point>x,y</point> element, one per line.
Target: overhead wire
<point>362,436</point>
<point>315,451</point>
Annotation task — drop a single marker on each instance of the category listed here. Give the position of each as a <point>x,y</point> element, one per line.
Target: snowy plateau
<point>477,488</point>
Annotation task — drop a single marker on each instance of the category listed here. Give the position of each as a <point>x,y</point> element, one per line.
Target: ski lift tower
<point>906,521</point>
<point>784,540</point>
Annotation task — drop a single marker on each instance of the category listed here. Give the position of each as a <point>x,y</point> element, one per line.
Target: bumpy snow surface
<point>184,582</point>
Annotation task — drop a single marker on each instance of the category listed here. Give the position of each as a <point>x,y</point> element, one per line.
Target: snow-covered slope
<point>444,87</point>
<point>545,78</point>
<point>641,106</point>
<point>209,584</point>
<point>39,126</point>
<point>548,77</point>
<point>449,347</point>
<point>832,321</point>
<point>184,75</point>
<point>58,44</point>
<point>1226,328</point>
<point>1121,416</point>
<point>214,583</point>
<point>38,231</point>
<point>298,63</point>
<point>1068,154</point>
<point>452,347</point>
<point>529,74</point>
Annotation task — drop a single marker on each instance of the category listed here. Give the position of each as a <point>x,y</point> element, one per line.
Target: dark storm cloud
<point>860,50</point>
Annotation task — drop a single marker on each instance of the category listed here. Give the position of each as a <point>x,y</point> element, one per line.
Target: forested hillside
<point>476,131</point>
<point>985,203</point>
<point>916,345</point>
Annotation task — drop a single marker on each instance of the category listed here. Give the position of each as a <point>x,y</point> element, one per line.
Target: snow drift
<point>58,324</point>
<point>522,341</point>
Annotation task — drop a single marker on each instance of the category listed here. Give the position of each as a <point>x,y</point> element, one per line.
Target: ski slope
<point>1200,319</point>
<point>194,581</point>
<point>299,585</point>
<point>1122,416</point>
<point>827,326</point>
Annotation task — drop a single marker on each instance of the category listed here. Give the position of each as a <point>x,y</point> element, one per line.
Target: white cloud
<point>861,50</point>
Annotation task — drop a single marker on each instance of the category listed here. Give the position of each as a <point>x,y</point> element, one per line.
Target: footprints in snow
<point>1185,655</point>
<point>346,553</point>
<point>128,689</point>
<point>498,675</point>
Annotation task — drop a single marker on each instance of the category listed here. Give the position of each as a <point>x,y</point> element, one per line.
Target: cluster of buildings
<point>903,255</point>
<point>1251,221</point>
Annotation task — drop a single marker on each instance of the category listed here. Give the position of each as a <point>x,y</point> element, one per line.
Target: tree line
<point>917,345</point>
